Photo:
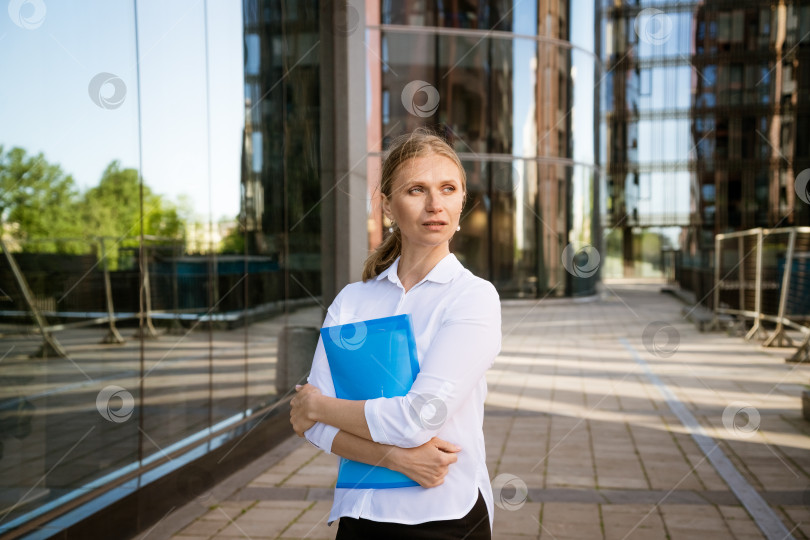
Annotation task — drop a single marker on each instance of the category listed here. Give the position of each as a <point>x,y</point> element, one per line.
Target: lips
<point>435,223</point>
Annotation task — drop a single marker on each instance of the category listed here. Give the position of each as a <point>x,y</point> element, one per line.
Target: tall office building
<point>705,121</point>
<point>509,85</point>
<point>750,118</point>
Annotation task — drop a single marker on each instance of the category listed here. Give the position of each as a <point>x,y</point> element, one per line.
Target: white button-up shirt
<point>456,320</point>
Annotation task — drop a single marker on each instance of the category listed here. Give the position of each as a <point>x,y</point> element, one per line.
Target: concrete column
<point>344,245</point>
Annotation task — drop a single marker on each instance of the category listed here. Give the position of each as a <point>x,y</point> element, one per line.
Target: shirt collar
<point>443,272</point>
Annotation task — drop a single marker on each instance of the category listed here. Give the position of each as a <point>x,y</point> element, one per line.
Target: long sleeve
<point>320,376</point>
<point>464,347</point>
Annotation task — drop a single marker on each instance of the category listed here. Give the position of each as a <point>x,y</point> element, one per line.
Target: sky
<point>46,104</point>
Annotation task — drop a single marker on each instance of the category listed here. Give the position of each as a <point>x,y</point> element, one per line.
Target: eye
<point>451,188</point>
<point>415,188</point>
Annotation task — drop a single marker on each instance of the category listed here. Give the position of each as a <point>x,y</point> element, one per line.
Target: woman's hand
<point>302,413</point>
<point>428,464</point>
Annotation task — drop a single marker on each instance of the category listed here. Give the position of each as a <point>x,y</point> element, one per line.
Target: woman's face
<point>426,200</point>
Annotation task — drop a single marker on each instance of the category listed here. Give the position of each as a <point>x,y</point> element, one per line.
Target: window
<point>804,25</point>
<point>707,193</point>
<point>802,137</point>
<point>723,28</point>
<point>709,75</point>
<point>792,25</point>
<point>786,141</point>
<point>737,25</point>
<point>735,83</point>
<point>764,84</point>
<point>788,83</point>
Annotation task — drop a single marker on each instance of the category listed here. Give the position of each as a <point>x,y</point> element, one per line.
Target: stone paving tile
<point>632,521</point>
<point>739,522</point>
<point>571,520</point>
<point>695,518</point>
<point>523,521</point>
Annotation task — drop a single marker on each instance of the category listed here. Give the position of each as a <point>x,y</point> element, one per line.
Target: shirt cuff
<point>321,436</point>
<point>372,410</point>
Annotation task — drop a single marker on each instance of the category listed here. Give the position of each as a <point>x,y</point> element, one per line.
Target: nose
<point>431,202</point>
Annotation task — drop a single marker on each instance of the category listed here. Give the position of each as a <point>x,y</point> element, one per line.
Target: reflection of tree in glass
<point>38,201</point>
<point>113,207</point>
<point>234,241</point>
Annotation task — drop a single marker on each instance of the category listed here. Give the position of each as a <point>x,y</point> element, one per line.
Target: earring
<point>458,228</point>
<point>391,228</point>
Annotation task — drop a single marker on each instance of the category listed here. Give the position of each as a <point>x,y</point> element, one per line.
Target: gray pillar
<point>344,234</point>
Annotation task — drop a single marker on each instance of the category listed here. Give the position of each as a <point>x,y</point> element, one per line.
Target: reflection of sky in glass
<point>582,24</point>
<point>523,88</point>
<point>524,140</point>
<point>582,69</point>
<point>672,38</point>
<point>661,142</point>
<point>524,52</point>
<point>582,118</point>
<point>48,108</point>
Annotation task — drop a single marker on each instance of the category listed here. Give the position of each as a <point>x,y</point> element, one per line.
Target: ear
<point>386,207</point>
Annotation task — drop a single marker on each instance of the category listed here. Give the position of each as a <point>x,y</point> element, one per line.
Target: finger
<point>298,387</point>
<point>445,446</point>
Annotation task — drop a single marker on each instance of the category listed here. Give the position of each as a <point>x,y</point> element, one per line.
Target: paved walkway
<point>599,424</point>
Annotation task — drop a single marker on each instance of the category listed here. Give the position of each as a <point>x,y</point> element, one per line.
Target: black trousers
<point>473,526</point>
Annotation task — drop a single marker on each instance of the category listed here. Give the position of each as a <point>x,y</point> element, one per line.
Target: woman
<point>434,434</point>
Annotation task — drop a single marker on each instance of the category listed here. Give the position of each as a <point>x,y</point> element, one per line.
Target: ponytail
<point>384,256</point>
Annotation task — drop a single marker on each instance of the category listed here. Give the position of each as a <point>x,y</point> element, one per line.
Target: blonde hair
<point>419,143</point>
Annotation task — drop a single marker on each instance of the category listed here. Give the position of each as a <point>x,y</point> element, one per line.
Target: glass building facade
<point>511,86</point>
<point>171,182</point>
<point>139,311</point>
<point>705,126</point>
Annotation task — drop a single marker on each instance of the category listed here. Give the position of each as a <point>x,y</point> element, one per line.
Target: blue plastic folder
<point>371,359</point>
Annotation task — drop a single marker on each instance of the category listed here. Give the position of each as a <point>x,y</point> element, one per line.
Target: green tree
<point>234,241</point>
<point>42,209</point>
<point>113,210</point>
<point>38,201</point>
<point>113,207</point>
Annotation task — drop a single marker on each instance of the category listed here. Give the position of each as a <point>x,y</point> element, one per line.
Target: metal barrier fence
<point>75,287</point>
<point>99,283</point>
<point>764,275</point>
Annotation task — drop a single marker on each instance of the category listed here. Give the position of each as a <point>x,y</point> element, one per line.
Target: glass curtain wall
<point>150,252</point>
<point>704,111</point>
<point>509,89</point>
